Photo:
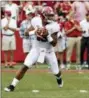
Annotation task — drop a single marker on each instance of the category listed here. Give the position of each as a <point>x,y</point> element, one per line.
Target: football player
<point>23,28</point>
<point>46,39</point>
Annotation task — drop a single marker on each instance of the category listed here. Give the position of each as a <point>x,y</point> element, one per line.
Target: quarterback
<point>46,39</point>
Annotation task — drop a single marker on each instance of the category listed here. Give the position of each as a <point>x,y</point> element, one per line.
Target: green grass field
<point>41,79</point>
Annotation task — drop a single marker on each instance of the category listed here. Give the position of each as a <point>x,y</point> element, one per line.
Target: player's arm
<point>52,39</point>
<point>70,30</point>
<point>10,28</point>
<point>5,28</point>
<point>81,26</point>
<point>3,25</point>
<point>78,28</point>
<point>31,28</point>
<point>67,29</point>
<point>36,25</point>
<point>13,27</point>
<point>22,30</point>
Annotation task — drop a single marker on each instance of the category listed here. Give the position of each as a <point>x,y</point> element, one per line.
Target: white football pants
<point>50,58</point>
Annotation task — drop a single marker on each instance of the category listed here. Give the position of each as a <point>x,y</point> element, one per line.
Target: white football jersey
<point>52,27</point>
<point>85,27</point>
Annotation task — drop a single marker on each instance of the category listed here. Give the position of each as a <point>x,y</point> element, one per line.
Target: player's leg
<point>52,61</point>
<point>62,50</point>
<point>12,49</point>
<point>83,47</point>
<point>5,48</point>
<point>62,66</point>
<point>17,78</point>
<point>78,46</point>
<point>59,56</point>
<point>57,52</point>
<point>70,46</point>
<point>88,53</point>
<point>29,61</point>
<point>11,52</point>
<point>26,46</point>
<point>6,58</point>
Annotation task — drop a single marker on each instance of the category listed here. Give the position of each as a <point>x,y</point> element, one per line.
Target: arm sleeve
<point>51,29</point>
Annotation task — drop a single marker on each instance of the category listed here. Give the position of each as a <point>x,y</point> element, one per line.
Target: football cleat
<point>61,84</point>
<point>9,88</point>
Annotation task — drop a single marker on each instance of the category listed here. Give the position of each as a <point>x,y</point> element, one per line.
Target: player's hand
<point>45,32</point>
<point>76,26</point>
<point>6,27</point>
<point>26,33</point>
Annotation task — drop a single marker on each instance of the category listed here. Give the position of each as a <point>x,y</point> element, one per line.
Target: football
<point>42,32</point>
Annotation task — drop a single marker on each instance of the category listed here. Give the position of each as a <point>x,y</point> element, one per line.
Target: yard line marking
<point>35,91</point>
<point>83,91</point>
<point>81,72</point>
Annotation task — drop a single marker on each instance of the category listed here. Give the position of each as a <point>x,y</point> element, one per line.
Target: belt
<point>85,37</point>
<point>74,36</point>
<point>8,35</point>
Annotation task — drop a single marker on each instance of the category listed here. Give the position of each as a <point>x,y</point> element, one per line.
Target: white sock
<point>15,82</point>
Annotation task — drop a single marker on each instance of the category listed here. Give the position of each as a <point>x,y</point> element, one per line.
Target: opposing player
<point>46,40</point>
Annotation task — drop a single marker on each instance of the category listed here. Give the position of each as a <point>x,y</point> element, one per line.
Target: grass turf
<point>45,82</point>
